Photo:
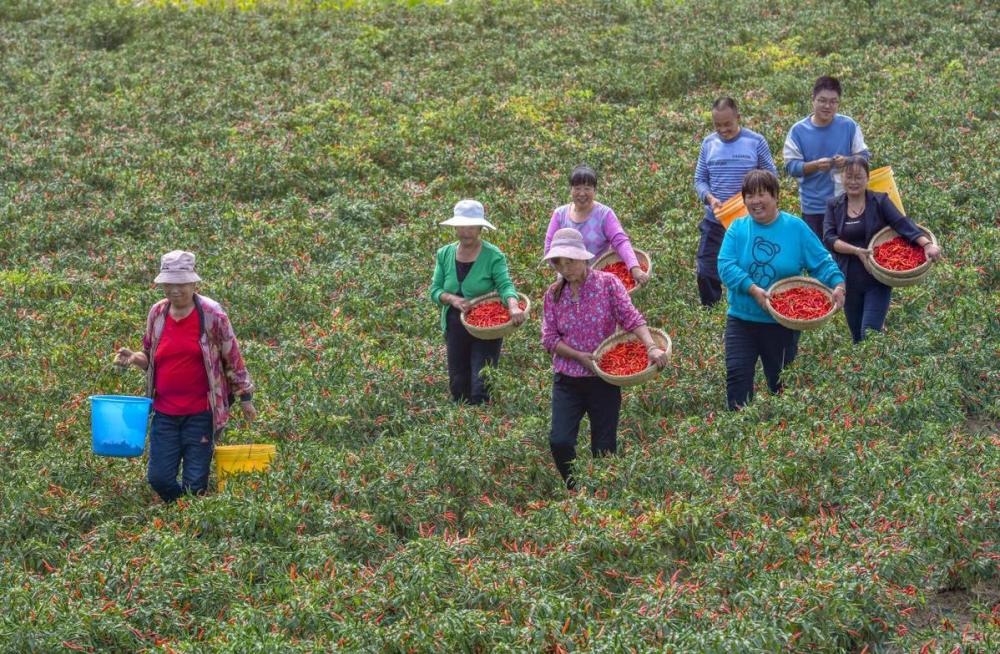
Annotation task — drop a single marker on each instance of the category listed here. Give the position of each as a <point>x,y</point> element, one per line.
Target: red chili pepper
<point>899,254</point>
<point>802,303</point>
<point>624,359</point>
<point>619,270</point>
<point>489,314</point>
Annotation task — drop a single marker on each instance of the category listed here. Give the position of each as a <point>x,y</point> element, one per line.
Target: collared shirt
<point>603,306</point>
<point>722,165</point>
<point>220,354</point>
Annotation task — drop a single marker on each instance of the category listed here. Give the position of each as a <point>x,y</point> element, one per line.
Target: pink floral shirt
<point>582,324</point>
<point>220,351</point>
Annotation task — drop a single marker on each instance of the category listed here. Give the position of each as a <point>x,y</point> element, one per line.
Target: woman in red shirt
<point>192,361</point>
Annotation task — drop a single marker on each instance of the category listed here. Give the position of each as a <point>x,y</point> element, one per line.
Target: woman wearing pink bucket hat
<point>193,367</point>
<point>582,309</point>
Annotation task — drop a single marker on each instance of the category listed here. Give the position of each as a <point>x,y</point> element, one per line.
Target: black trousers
<point>746,341</point>
<point>815,222</point>
<point>572,397</point>
<point>467,356</point>
<point>709,286</point>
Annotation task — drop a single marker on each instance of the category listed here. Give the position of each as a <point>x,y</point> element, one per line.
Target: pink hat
<point>568,244</point>
<point>177,267</point>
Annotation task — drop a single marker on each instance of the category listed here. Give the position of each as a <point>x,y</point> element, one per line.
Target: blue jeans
<point>572,397</point>
<point>746,341</point>
<point>176,438</point>
<point>867,302</point>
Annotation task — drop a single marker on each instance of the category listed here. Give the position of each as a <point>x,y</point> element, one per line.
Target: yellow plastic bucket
<point>233,459</point>
<point>883,181</point>
<point>730,210</point>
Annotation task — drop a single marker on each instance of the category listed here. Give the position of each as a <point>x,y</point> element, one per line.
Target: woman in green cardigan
<point>468,268</point>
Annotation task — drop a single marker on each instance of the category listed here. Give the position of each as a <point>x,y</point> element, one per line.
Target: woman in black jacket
<point>851,220</point>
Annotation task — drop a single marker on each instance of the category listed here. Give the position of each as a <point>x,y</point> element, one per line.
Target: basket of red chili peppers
<point>894,261</point>
<point>621,359</point>
<point>800,303</point>
<point>610,262</point>
<point>487,318</point>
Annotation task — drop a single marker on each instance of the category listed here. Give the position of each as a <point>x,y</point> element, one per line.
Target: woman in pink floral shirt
<point>581,310</point>
<point>193,367</point>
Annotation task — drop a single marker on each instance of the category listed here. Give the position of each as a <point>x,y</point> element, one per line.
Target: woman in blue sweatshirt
<point>758,250</point>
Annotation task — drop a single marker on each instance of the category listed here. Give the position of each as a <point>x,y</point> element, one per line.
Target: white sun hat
<point>469,213</point>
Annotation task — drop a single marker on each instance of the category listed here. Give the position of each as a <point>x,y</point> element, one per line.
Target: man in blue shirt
<point>727,154</point>
<point>816,149</point>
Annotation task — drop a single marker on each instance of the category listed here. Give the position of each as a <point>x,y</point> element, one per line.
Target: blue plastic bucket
<point>118,424</point>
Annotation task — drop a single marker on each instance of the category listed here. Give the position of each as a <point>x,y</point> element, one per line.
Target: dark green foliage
<point>306,151</point>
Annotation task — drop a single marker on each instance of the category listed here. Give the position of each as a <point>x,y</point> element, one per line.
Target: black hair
<point>826,83</point>
<point>760,180</point>
<point>583,174</point>
<point>857,161</point>
<point>557,289</point>
<point>725,102</point>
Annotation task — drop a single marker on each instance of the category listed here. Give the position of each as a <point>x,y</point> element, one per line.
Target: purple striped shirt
<point>601,231</point>
<point>582,324</point>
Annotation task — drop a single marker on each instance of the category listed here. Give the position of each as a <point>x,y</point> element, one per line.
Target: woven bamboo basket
<point>493,333</point>
<point>896,278</point>
<point>798,281</point>
<point>662,341</point>
<point>611,257</point>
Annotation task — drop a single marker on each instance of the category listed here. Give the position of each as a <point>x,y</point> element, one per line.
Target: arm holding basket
<point>505,289</point>
<point>905,227</point>
<point>615,233</point>
<point>631,320</point>
<point>817,260</point>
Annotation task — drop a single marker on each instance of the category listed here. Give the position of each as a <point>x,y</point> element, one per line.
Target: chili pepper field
<point>306,151</point>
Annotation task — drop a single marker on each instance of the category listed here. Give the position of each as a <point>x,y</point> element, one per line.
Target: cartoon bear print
<point>761,270</point>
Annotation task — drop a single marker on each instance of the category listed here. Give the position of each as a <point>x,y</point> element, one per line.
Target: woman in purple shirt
<point>582,309</point>
<point>596,222</point>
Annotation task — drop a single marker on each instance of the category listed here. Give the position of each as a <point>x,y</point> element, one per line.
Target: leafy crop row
<point>306,152</point>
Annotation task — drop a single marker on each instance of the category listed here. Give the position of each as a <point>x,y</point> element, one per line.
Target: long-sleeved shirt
<point>752,253</point>
<point>224,364</point>
<point>488,273</point>
<point>808,142</point>
<point>722,165</point>
<point>600,231</point>
<point>879,212</point>
<point>583,323</point>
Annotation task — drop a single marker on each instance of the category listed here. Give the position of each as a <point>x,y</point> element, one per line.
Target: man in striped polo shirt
<point>727,154</point>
